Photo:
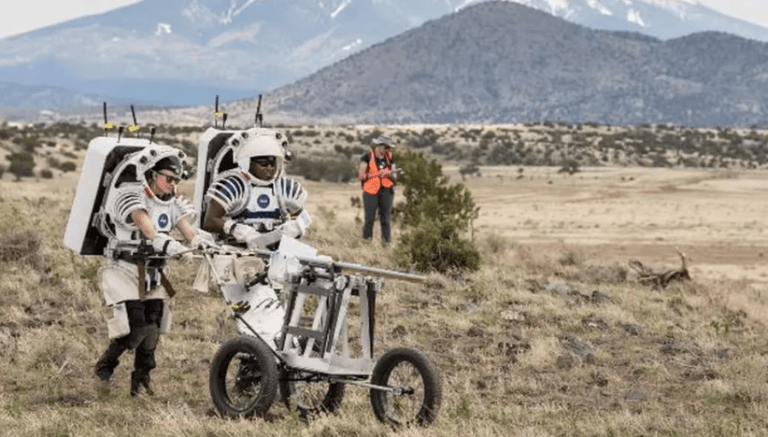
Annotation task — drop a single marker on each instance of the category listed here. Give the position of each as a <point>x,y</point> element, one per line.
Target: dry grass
<point>549,338</point>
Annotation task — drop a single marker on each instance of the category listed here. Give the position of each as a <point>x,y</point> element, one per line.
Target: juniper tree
<point>438,217</point>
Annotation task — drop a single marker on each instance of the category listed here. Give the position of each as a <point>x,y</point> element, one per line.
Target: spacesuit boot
<point>144,362</point>
<point>140,378</point>
<point>106,364</point>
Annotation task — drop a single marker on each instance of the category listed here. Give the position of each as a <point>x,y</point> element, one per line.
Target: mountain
<point>501,62</point>
<point>25,102</point>
<point>662,19</point>
<point>185,51</point>
<point>182,52</point>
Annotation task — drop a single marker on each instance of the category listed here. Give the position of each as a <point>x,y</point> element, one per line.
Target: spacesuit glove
<point>261,241</point>
<point>187,257</point>
<point>242,232</point>
<point>166,245</point>
<point>202,240</point>
<point>291,229</point>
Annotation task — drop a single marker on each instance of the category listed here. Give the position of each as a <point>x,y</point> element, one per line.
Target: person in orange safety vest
<point>377,174</point>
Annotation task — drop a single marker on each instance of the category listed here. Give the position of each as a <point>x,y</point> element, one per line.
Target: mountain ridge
<point>173,52</point>
<point>511,63</point>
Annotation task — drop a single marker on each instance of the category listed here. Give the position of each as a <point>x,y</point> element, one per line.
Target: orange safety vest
<point>373,181</point>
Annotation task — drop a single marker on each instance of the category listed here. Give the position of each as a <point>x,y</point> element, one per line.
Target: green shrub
<point>427,138</point>
<point>22,164</point>
<point>68,166</point>
<point>349,151</point>
<point>331,170</point>
<point>438,214</point>
<point>434,245</point>
<point>470,169</point>
<point>46,173</point>
<point>27,143</point>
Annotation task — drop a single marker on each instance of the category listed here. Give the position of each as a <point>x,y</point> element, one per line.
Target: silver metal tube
<point>397,391</point>
<point>319,262</point>
<point>380,272</point>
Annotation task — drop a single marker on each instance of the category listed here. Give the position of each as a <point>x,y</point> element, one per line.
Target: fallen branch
<point>655,278</point>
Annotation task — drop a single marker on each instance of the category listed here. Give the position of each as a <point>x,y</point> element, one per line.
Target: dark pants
<point>144,319</point>
<point>383,203</point>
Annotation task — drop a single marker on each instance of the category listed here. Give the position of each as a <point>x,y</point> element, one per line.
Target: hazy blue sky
<point>754,11</point>
<point>25,15</point>
<point>19,16</point>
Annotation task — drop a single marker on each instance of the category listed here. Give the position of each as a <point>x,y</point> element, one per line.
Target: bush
<point>46,173</point>
<point>438,214</point>
<point>331,170</point>
<point>427,138</point>
<point>22,164</point>
<point>433,245</point>
<point>470,169</point>
<point>349,151</point>
<point>68,166</point>
<point>27,143</point>
<point>570,166</point>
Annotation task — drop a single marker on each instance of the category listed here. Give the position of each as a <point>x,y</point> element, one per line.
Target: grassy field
<point>554,336</point>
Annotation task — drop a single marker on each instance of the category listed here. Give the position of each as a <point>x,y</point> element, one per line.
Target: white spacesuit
<point>139,211</point>
<point>164,216</point>
<point>253,205</point>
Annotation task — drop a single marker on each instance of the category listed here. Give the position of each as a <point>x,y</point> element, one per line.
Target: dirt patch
<point>613,214</point>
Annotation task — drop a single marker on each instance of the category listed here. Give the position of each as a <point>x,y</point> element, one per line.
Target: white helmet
<point>257,143</point>
<point>140,165</point>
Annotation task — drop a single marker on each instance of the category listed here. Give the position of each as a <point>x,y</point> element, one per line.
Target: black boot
<point>110,359</point>
<point>139,379</point>
<point>145,334</point>
<point>144,362</point>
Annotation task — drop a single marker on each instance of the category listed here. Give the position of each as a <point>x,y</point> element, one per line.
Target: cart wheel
<point>243,377</point>
<point>309,395</point>
<point>416,393</point>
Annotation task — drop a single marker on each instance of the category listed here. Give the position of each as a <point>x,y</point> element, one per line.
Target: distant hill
<point>501,62</point>
<point>182,52</point>
<point>26,102</point>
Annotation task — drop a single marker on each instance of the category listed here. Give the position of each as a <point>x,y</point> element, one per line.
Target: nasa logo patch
<point>263,201</point>
<point>162,221</point>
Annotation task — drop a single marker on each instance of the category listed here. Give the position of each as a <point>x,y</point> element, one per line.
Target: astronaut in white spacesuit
<point>140,210</point>
<point>253,206</point>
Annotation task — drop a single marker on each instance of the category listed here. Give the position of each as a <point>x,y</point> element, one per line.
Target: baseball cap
<point>384,141</point>
<point>169,164</point>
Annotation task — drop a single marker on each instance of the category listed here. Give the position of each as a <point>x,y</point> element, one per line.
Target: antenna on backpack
<point>152,133</point>
<point>135,126</point>
<point>119,133</point>
<point>259,119</point>
<point>223,120</point>
<point>107,124</point>
<point>217,113</point>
